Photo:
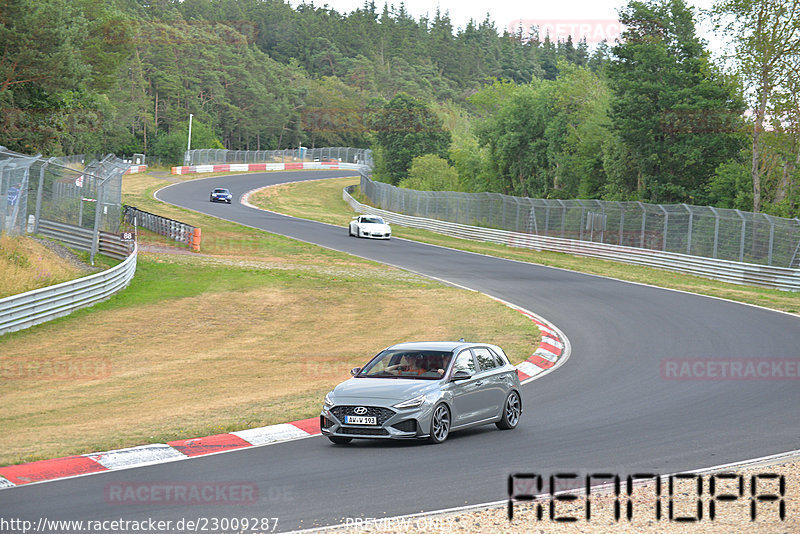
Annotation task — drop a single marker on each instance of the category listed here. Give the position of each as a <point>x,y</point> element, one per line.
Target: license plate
<point>360,420</point>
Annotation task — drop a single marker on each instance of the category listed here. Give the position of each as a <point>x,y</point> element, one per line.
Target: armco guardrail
<point>41,305</point>
<point>81,238</point>
<point>175,230</point>
<point>728,271</point>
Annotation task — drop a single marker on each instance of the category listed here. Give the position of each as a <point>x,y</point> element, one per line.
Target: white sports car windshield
<point>372,220</point>
<point>413,364</point>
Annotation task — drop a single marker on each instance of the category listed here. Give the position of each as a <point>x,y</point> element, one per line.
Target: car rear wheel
<point>440,424</point>
<point>340,440</point>
<point>511,412</point>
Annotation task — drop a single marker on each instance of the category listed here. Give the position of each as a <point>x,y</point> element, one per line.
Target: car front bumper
<point>409,423</point>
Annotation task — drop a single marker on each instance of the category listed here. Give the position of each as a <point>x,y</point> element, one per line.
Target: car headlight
<point>328,401</point>
<point>411,403</point>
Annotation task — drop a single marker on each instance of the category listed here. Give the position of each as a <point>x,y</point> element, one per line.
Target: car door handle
<point>479,383</point>
<point>502,377</point>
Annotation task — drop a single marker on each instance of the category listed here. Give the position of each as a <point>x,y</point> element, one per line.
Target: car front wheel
<point>440,424</point>
<point>340,440</point>
<point>511,412</point>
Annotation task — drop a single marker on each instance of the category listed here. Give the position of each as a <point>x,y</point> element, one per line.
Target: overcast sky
<point>593,18</point>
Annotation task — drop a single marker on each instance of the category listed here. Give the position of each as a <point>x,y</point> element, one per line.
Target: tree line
<point>650,117</point>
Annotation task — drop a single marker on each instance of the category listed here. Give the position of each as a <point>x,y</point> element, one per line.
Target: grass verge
<point>26,264</point>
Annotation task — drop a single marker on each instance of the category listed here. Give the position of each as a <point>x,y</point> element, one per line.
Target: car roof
<point>450,346</point>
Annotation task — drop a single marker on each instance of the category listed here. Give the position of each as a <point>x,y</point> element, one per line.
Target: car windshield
<point>372,220</point>
<point>413,364</point>
<point>220,190</point>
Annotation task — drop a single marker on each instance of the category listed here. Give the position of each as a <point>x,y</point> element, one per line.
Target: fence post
<point>666,227</point>
<point>741,243</point>
<point>563,216</point>
<point>96,231</point>
<point>39,193</point>
<point>716,229</point>
<point>771,238</point>
<point>583,214</point>
<point>689,237</point>
<point>644,224</point>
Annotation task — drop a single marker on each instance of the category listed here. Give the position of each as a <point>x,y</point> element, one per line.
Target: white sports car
<point>370,226</point>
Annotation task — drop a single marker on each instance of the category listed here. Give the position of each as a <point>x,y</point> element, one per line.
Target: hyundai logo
<point>360,410</point>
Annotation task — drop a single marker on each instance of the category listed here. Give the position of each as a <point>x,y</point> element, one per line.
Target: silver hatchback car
<point>424,390</point>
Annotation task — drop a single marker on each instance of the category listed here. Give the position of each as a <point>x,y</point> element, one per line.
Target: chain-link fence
<point>360,156</point>
<point>695,230</point>
<point>63,190</point>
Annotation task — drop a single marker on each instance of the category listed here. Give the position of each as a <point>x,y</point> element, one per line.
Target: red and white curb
<point>96,462</point>
<point>553,350</point>
<point>136,169</point>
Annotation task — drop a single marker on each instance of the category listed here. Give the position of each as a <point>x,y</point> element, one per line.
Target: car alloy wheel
<point>440,424</point>
<point>511,412</point>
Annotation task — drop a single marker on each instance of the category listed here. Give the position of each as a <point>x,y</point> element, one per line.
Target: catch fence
<point>62,190</point>
<point>704,231</point>
<point>359,156</point>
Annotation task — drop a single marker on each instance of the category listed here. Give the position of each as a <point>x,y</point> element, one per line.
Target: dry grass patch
<point>26,264</point>
<point>221,361</point>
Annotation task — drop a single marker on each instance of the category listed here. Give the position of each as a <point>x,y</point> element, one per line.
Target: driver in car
<point>409,364</point>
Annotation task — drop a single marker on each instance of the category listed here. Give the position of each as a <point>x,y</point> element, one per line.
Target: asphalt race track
<point>608,409</point>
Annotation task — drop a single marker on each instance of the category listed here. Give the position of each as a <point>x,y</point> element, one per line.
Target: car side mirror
<point>461,375</point>
<point>355,370</point>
